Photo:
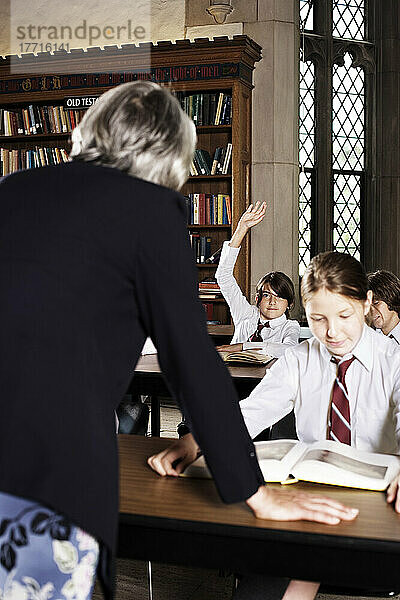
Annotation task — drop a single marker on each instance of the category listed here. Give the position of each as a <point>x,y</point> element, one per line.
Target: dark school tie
<point>339,421</point>
<point>256,337</point>
<point>393,338</point>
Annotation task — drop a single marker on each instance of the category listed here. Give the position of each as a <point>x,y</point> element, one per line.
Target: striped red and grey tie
<point>256,337</point>
<point>339,421</point>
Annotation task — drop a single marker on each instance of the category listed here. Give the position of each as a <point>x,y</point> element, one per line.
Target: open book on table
<point>286,461</point>
<point>246,357</point>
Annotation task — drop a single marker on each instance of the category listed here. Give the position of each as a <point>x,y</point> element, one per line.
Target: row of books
<point>37,119</point>
<point>203,164</point>
<point>24,158</point>
<point>213,108</point>
<point>209,289</point>
<point>209,209</point>
<point>201,246</point>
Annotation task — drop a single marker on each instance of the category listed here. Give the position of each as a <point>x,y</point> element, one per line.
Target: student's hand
<point>174,459</point>
<point>230,348</point>
<point>251,217</point>
<point>393,493</point>
<point>289,505</point>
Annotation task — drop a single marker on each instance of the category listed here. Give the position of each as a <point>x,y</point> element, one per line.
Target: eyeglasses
<point>270,295</point>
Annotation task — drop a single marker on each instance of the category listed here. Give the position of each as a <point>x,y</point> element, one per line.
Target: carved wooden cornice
<point>363,55</point>
<point>314,49</point>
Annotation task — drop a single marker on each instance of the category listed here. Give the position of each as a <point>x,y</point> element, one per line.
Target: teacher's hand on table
<point>290,505</point>
<point>174,459</point>
<point>266,503</point>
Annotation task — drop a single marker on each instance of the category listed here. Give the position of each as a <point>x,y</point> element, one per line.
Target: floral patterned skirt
<point>42,555</point>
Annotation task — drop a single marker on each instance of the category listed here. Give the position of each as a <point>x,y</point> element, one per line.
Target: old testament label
<point>79,102</point>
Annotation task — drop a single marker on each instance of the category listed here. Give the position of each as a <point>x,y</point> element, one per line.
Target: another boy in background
<point>385,309</point>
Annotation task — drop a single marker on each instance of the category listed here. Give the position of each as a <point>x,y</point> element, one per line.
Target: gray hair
<point>139,128</point>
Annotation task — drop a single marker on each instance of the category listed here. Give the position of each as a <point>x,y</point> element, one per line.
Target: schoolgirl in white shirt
<point>385,308</point>
<point>309,378</point>
<point>266,325</point>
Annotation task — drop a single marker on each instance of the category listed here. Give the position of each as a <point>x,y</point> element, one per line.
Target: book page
<point>339,464</point>
<point>277,457</point>
<point>274,449</point>
<point>348,464</point>
<point>252,357</point>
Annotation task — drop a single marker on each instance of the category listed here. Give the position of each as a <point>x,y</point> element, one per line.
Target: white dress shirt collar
<point>396,333</point>
<point>363,350</point>
<point>274,322</point>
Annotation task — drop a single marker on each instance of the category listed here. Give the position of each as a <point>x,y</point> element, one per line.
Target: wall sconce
<point>219,10</point>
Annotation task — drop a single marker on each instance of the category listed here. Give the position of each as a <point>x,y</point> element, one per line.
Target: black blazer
<point>91,262</point>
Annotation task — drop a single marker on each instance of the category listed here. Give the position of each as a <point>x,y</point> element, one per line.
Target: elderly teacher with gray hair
<point>89,253</point>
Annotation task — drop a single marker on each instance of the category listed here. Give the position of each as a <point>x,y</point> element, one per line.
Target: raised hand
<point>251,217</point>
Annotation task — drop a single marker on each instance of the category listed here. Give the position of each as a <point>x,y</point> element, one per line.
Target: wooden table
<point>183,521</point>
<point>148,380</point>
<point>221,334</point>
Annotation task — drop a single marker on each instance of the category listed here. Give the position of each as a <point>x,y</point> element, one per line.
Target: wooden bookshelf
<point>199,67</point>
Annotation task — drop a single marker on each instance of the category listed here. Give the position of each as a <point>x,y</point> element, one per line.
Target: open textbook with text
<point>327,462</point>
<point>246,357</point>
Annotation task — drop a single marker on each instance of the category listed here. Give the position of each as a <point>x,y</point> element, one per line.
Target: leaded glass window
<point>348,116</point>
<point>306,158</point>
<point>332,117</point>
<point>347,155</point>
<point>305,196</point>
<point>348,19</point>
<point>306,14</point>
<point>347,200</point>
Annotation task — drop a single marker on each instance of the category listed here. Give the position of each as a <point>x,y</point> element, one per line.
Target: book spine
<point>20,123</point>
<point>199,162</point>
<point>224,215</point>
<point>63,120</point>
<point>32,119</point>
<point>196,209</point>
<point>228,209</point>
<point>202,249</point>
<point>221,160</point>
<point>219,106</point>
<point>38,121</point>
<point>208,307</point>
<point>190,113</point>
<point>213,108</point>
<point>200,120</point>
<point>227,159</point>
<point>220,210</point>
<point>207,209</point>
<point>202,209</point>
<point>207,253</point>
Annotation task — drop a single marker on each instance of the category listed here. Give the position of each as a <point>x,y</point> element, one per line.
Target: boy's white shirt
<point>395,333</point>
<point>282,332</point>
<point>303,380</point>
